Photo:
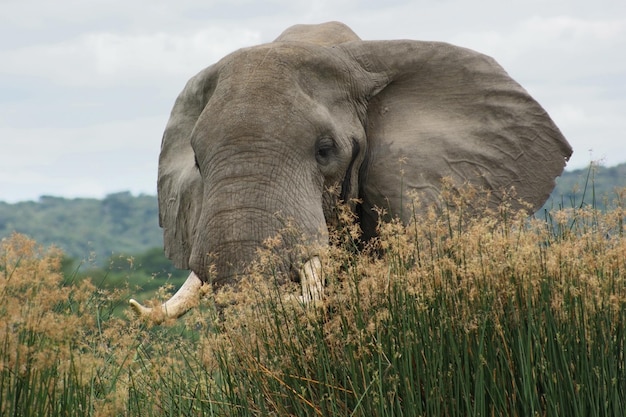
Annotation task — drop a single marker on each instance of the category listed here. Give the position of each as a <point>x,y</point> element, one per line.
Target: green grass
<point>453,315</point>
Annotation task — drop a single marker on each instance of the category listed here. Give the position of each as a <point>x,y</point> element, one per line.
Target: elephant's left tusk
<point>312,280</point>
<point>185,298</point>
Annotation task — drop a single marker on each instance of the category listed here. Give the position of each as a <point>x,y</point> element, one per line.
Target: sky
<point>86,86</point>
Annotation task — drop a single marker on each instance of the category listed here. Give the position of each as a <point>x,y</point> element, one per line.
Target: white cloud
<point>109,58</point>
<point>560,39</point>
<point>574,29</point>
<point>163,53</point>
<point>89,161</point>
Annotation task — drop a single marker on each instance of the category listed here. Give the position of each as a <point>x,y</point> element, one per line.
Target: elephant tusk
<point>312,280</point>
<point>181,302</point>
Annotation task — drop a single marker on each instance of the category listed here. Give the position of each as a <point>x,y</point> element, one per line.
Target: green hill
<point>86,228</point>
<point>91,229</point>
<point>596,184</point>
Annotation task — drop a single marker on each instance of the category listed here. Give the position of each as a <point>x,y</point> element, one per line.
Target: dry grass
<point>438,291</point>
<point>455,314</point>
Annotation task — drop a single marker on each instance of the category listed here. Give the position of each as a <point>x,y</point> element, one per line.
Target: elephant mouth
<point>233,260</point>
<point>188,295</point>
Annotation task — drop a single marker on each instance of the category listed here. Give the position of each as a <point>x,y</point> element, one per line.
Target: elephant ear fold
<point>446,111</point>
<point>180,191</point>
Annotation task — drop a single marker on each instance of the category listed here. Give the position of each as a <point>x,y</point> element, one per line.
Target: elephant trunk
<point>235,236</point>
<point>252,203</point>
<point>241,216</point>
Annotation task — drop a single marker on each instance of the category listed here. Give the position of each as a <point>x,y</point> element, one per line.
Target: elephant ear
<point>180,191</point>
<point>446,111</point>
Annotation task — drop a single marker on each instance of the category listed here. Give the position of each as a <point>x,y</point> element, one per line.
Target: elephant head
<point>276,134</point>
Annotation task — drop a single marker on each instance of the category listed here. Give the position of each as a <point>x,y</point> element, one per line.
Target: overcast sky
<point>86,87</point>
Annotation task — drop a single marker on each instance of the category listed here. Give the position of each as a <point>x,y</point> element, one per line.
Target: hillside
<point>598,184</point>
<point>127,224</point>
<point>85,228</point>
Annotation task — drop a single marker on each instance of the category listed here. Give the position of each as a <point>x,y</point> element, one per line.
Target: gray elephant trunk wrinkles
<point>250,201</point>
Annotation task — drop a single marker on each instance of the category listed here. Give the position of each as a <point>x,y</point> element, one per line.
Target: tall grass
<point>453,315</point>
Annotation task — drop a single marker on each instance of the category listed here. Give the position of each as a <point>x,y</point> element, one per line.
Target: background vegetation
<point>454,315</point>
<point>93,231</point>
<point>87,229</point>
<point>595,185</point>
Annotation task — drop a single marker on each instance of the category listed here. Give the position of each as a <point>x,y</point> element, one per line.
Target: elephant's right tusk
<point>312,280</point>
<point>185,298</point>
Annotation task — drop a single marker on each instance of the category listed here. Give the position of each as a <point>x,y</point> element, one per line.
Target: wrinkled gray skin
<point>258,139</point>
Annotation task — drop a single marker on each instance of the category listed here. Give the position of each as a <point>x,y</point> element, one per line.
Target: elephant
<point>282,132</point>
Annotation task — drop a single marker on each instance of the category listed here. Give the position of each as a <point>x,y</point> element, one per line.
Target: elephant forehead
<point>277,66</point>
<point>259,118</point>
<point>256,124</point>
<point>274,87</point>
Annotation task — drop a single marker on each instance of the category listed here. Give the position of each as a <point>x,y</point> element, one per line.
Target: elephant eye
<point>324,149</point>
<point>195,160</point>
